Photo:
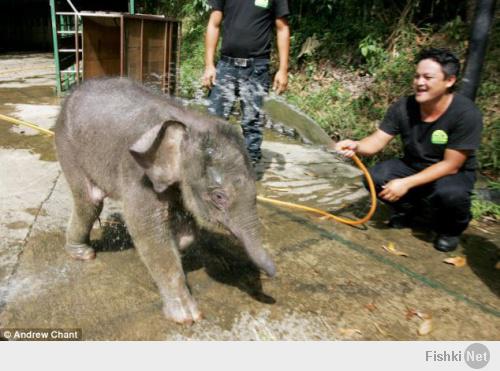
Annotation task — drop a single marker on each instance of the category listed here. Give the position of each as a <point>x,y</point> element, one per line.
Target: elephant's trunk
<point>248,234</point>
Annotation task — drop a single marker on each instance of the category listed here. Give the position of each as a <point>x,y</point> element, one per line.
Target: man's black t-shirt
<point>247,26</point>
<point>424,143</point>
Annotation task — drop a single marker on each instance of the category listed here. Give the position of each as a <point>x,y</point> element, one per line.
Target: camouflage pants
<point>248,80</point>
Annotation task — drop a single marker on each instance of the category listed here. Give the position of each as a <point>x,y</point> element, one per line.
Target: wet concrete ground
<point>334,281</point>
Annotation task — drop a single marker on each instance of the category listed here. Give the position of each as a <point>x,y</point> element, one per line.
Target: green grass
<point>481,208</point>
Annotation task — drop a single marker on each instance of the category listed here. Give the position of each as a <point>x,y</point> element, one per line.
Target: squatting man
<point>440,131</point>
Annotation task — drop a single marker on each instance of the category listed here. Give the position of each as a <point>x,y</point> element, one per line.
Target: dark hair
<point>448,60</point>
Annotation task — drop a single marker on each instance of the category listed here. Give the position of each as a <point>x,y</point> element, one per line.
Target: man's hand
<point>394,190</point>
<point>211,39</point>
<point>209,77</point>
<point>280,82</point>
<point>347,147</point>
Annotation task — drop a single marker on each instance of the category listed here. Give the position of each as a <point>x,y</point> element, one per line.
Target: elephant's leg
<point>87,205</point>
<point>147,219</point>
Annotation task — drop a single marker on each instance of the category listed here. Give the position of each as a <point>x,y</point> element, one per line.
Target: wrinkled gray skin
<point>167,164</point>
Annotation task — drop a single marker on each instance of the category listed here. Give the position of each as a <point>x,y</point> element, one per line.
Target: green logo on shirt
<point>262,3</point>
<point>439,137</point>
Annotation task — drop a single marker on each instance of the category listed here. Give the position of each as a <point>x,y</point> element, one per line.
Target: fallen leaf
<point>349,331</point>
<point>423,315</point>
<point>457,261</point>
<point>410,312</point>
<point>425,327</point>
<point>392,249</point>
<point>497,266</point>
<point>371,307</point>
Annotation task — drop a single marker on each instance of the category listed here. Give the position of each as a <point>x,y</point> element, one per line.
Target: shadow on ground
<point>221,256</point>
<point>482,256</point>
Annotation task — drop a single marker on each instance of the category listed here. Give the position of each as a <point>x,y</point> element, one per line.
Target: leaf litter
<point>457,261</point>
<point>390,248</point>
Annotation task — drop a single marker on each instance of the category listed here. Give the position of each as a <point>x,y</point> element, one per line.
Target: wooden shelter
<point>89,44</point>
<point>142,47</point>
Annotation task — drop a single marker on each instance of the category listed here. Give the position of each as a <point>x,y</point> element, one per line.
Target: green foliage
<point>330,106</point>
<point>174,8</point>
<point>192,55</point>
<point>197,8</point>
<point>494,185</point>
<point>374,53</point>
<point>481,208</point>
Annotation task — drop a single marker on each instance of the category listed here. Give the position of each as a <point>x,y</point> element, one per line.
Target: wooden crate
<point>142,47</point>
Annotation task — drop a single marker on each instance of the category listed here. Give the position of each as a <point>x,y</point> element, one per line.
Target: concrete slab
<point>25,183</point>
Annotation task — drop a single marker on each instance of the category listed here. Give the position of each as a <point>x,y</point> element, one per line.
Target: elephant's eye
<point>220,199</point>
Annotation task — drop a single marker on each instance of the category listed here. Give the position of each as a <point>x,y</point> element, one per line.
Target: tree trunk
<point>481,25</point>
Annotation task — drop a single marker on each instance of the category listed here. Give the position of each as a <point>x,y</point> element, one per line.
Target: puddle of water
<point>40,144</point>
<point>29,95</point>
<point>26,103</point>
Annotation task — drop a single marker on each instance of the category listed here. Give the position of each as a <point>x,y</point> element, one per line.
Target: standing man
<point>440,132</point>
<point>243,67</point>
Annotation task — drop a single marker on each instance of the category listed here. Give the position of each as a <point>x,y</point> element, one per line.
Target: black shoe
<point>446,243</point>
<point>400,220</point>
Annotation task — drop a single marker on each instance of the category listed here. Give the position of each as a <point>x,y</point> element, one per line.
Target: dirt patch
<point>34,211</point>
<point>17,225</point>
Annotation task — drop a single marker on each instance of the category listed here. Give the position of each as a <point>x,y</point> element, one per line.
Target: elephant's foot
<point>181,309</point>
<point>80,251</point>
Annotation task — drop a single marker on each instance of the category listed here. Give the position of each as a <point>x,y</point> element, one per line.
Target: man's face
<point>430,82</point>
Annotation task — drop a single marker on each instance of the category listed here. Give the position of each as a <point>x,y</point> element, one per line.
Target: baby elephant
<point>174,170</point>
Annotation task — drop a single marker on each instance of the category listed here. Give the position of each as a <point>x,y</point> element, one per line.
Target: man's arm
<point>451,163</point>
<point>211,39</point>
<point>368,146</point>
<point>283,41</point>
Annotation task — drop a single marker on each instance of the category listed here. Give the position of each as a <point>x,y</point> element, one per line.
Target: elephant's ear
<point>158,152</point>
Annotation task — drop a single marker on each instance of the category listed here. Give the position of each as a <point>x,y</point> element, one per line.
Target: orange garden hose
<point>355,158</point>
<point>12,120</point>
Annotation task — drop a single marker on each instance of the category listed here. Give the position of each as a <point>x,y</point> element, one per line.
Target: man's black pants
<point>449,197</point>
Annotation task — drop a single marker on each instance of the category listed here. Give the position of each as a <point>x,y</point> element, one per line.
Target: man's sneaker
<point>400,220</point>
<point>446,243</point>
